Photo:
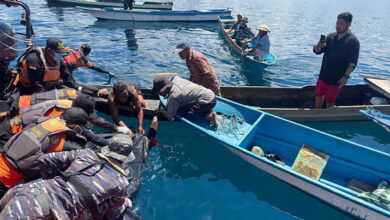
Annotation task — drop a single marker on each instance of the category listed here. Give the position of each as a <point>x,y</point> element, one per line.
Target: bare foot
<point>212,117</point>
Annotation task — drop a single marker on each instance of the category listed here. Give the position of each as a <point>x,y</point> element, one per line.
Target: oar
<point>148,74</point>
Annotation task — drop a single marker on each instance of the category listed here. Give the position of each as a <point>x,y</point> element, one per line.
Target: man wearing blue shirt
<point>261,43</point>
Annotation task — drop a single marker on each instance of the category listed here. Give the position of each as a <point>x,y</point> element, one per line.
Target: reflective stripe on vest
<point>73,59</point>
<point>28,100</point>
<point>32,113</point>
<point>50,74</point>
<point>27,143</point>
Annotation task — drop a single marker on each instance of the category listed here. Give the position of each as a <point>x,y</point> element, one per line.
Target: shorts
<point>260,54</point>
<point>329,91</point>
<point>197,107</point>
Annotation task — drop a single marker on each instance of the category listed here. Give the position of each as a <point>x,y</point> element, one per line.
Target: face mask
<point>58,56</point>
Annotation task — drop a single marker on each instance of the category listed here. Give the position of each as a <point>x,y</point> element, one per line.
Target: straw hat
<point>263,27</point>
<point>240,14</point>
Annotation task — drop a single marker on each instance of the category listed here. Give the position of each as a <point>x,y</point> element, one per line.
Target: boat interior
<point>350,168</point>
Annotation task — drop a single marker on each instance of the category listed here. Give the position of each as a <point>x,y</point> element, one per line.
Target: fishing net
<point>230,125</point>
<point>374,113</point>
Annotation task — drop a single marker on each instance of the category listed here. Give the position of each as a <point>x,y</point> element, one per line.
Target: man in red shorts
<point>341,53</point>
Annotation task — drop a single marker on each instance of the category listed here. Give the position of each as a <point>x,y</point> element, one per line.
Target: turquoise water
<point>192,176</point>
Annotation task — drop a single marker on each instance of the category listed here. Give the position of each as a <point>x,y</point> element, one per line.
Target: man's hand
<point>245,53</point>
<point>320,45</point>
<point>111,74</point>
<point>124,130</point>
<point>342,82</point>
<point>141,130</point>
<point>128,203</point>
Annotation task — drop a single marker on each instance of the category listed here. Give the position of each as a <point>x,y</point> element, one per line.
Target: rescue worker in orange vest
<point>18,159</point>
<point>18,101</point>
<point>8,52</point>
<point>78,58</point>
<point>40,68</point>
<point>31,114</point>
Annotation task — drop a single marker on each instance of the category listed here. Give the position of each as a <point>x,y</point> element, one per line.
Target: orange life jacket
<point>50,74</point>
<point>32,113</point>
<point>24,148</point>
<point>28,100</point>
<point>9,176</point>
<point>74,58</point>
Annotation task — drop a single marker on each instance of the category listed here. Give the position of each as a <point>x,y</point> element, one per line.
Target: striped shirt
<point>201,71</point>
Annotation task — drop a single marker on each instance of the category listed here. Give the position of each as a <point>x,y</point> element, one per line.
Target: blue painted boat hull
<point>347,160</point>
<point>158,15</point>
<point>378,117</point>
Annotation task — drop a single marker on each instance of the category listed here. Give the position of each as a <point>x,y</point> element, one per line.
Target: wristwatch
<point>346,76</point>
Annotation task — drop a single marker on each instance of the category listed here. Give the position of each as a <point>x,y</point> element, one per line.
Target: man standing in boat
<point>341,53</point>
<point>128,4</point>
<point>201,72</point>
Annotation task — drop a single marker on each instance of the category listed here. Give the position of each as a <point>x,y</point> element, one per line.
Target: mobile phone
<point>322,39</point>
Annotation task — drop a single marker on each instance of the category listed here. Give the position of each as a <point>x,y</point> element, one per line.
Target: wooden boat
<point>297,103</point>
<point>379,84</point>
<point>378,117</point>
<point>95,4</point>
<point>292,103</point>
<point>150,15</point>
<point>226,22</point>
<point>346,168</point>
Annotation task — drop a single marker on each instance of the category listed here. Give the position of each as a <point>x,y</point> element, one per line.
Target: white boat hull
<point>155,16</point>
<point>332,198</point>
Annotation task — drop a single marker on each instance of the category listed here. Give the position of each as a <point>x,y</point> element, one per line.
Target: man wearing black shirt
<point>341,53</point>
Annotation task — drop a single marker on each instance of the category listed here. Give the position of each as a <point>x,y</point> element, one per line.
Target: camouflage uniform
<point>64,201</point>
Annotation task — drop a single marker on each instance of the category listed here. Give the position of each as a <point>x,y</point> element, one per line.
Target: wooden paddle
<point>148,74</point>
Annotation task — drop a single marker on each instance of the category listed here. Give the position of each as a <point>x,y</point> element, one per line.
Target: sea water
<point>192,176</point>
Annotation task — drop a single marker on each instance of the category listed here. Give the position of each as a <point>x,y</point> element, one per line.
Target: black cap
<point>56,45</point>
<point>75,115</point>
<point>86,49</point>
<point>86,102</point>
<point>158,83</point>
